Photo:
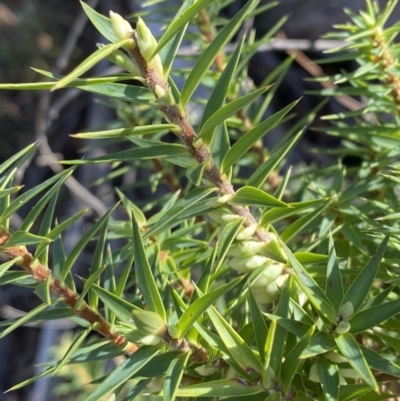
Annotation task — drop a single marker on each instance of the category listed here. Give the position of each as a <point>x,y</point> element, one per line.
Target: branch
<point>40,273</point>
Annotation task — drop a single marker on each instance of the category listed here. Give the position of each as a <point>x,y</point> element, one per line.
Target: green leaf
<point>122,309</point>
<point>6,265</point>
<point>158,151</point>
<point>198,307</point>
<point>379,363</point>
<point>28,195</point>
<point>280,213</point>
<point>259,327</point>
<point>174,375</point>
<point>174,214</point>
<point>102,23</point>
<point>262,173</point>
<point>77,250</point>
<point>224,112</point>
<point>219,93</point>
<point>236,346</point>
<point>250,196</point>
<point>23,238</point>
<point>43,290</point>
<point>302,223</point>
<point>241,147</point>
<point>19,157</point>
<point>28,316</point>
<point>43,201</point>
<point>124,372</point>
<point>293,361</point>
<point>334,286</point>
<point>53,234</point>
<point>314,293</point>
<point>144,275</point>
<point>372,317</point>
<point>75,345</point>
<point>128,131</point>
<point>359,288</point>
<point>220,388</point>
<point>282,310</point>
<point>195,173</point>
<point>92,60</point>
<point>321,343</point>
<point>350,349</point>
<point>291,325</point>
<point>179,22</point>
<point>226,239</point>
<point>212,50</point>
<point>329,375</point>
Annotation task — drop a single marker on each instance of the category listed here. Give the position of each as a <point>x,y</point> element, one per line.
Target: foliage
<point>286,288</point>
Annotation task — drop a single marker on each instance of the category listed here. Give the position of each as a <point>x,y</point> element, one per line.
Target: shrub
<point>263,286</point>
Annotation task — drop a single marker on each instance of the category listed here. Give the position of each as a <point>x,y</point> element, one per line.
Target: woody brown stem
<point>40,273</point>
<point>188,135</point>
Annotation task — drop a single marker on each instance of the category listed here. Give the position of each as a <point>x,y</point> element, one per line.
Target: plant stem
<point>188,135</point>
<point>40,273</point>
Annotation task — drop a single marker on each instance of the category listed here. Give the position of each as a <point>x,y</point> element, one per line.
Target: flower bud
<point>147,44</point>
<point>343,327</point>
<point>245,248</point>
<point>151,340</point>
<point>346,310</point>
<point>247,232</point>
<point>244,265</point>
<point>313,375</point>
<point>149,323</point>
<point>350,373</point>
<point>122,29</point>
<point>269,275</point>
<point>205,370</point>
<point>334,357</point>
<point>224,198</point>
<point>125,62</point>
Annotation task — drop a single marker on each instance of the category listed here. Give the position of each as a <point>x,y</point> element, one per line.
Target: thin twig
<point>41,274</point>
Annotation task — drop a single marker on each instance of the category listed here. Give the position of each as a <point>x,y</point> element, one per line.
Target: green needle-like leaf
<point>174,375</point>
<point>220,388</point>
<point>201,305</point>
<point>144,275</point>
<point>358,290</point>
<point>328,373</point>
<point>241,147</point>
<point>92,60</point>
<point>219,93</point>
<point>213,49</point>
<point>250,196</point>
<point>102,23</point>
<point>124,372</point>
<point>224,112</point>
<point>351,350</point>
<point>314,293</point>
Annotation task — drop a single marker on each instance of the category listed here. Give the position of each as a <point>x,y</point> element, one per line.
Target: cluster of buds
<point>247,254</point>
<point>144,40</point>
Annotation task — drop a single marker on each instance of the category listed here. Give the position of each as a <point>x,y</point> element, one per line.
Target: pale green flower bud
<point>313,375</point>
<point>225,198</point>
<point>334,357</point>
<point>122,29</point>
<point>223,216</point>
<point>205,370</point>
<point>125,62</point>
<point>346,310</point>
<point>349,373</point>
<point>151,340</point>
<point>245,248</point>
<point>269,275</point>
<point>343,327</point>
<point>149,323</point>
<point>247,232</point>
<point>244,265</point>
